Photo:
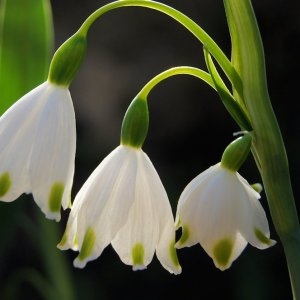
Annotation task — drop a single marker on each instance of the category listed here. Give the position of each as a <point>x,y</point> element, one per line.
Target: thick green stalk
<point>268,146</point>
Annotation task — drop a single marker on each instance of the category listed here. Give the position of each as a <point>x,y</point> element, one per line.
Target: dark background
<point>189,129</point>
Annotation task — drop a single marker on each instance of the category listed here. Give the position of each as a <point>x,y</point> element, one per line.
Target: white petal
<point>211,217</point>
<point>69,239</point>
<point>53,152</point>
<point>195,208</point>
<point>150,224</point>
<point>165,250</point>
<point>253,221</point>
<point>231,216</point>
<point>106,199</point>
<point>142,226</point>
<point>37,147</point>
<point>17,127</point>
<point>221,211</point>
<point>194,184</point>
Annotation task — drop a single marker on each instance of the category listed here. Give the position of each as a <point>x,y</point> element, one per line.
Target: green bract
<point>135,123</point>
<point>236,152</point>
<point>67,60</point>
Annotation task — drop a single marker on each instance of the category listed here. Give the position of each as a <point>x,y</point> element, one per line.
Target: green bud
<point>135,123</point>
<point>67,60</point>
<point>236,152</point>
<point>257,187</point>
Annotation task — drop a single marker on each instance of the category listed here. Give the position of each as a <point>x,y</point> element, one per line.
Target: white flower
<point>221,211</point>
<point>37,148</point>
<point>124,203</point>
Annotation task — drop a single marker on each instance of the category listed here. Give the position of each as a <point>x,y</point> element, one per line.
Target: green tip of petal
<point>138,254</point>
<point>222,253</point>
<point>70,201</point>
<point>75,242</point>
<point>185,235</point>
<point>88,244</point>
<point>173,255</point>
<point>55,197</point>
<point>257,187</point>
<point>262,237</point>
<point>63,240</point>
<point>5,184</point>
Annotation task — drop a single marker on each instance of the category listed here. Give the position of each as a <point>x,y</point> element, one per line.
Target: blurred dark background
<point>189,129</point>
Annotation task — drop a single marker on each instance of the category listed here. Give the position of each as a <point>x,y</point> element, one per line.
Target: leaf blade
<point>26,45</point>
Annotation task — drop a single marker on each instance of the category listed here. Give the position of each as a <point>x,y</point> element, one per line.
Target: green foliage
<point>26,43</point>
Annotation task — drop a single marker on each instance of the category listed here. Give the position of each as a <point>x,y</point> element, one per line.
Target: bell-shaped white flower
<point>221,211</point>
<point>37,148</point>
<point>124,203</point>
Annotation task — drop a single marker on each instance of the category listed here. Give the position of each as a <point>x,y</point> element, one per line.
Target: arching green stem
<point>189,24</point>
<point>136,120</point>
<point>182,70</point>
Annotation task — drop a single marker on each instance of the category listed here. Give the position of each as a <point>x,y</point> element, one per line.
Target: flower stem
<point>229,102</point>
<point>182,70</point>
<point>189,24</point>
<point>268,146</point>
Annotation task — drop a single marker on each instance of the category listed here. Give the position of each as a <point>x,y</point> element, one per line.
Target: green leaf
<point>26,45</point>
<point>233,107</point>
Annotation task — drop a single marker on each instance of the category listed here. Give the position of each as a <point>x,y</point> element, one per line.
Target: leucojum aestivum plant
<point>123,202</point>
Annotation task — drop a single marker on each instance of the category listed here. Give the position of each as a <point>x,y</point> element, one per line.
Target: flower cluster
<point>123,202</point>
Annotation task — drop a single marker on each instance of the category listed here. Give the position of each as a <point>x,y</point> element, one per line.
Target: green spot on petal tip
<point>75,242</point>
<point>138,254</point>
<point>185,235</point>
<point>173,255</point>
<point>222,252</point>
<point>88,244</point>
<point>63,240</point>
<point>261,237</point>
<point>55,197</point>
<point>5,184</point>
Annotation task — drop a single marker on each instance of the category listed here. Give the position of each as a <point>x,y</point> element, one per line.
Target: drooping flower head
<point>38,137</point>
<point>124,203</point>
<point>221,211</point>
